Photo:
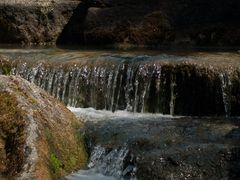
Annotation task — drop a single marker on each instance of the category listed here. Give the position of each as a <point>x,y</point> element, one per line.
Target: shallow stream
<point>147,114</point>
<point>126,145</point>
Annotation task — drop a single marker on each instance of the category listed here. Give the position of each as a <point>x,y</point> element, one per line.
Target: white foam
<point>91,114</point>
<point>90,174</point>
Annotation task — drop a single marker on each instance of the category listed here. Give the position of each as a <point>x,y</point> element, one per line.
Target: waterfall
<point>114,89</point>
<point>142,86</point>
<point>120,86</point>
<point>225,87</point>
<point>129,88</point>
<point>173,97</point>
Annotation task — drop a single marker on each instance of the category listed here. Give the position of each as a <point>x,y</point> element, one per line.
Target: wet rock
<point>39,137</point>
<point>172,148</point>
<point>208,162</point>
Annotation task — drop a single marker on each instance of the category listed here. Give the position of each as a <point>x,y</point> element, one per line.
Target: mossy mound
<point>5,66</point>
<point>39,137</point>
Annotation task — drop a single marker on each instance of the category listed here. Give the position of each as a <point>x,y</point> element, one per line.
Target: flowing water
<point>146,114</point>
<point>103,162</point>
<point>112,162</point>
<point>126,145</point>
<point>148,81</point>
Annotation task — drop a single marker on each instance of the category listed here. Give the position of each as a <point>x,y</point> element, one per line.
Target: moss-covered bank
<point>39,136</point>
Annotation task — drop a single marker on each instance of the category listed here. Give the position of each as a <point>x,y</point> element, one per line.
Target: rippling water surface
<point>124,143</point>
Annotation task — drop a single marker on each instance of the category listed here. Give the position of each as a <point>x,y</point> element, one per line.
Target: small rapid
<point>125,145</point>
<point>106,165</point>
<point>116,162</point>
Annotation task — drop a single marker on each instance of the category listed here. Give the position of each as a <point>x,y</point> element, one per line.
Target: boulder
<point>39,136</point>
<point>34,22</point>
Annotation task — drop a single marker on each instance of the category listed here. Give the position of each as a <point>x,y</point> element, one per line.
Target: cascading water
<point>137,86</point>
<point>225,84</point>
<point>108,164</point>
<point>173,97</point>
<point>126,145</point>
<point>123,86</point>
<point>138,83</point>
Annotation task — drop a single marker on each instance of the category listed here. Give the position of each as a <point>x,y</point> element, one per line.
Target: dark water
<point>128,145</point>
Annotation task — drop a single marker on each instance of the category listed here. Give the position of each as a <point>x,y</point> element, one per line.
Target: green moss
<point>65,156</point>
<point>2,134</point>
<point>55,162</point>
<point>6,70</point>
<point>5,67</point>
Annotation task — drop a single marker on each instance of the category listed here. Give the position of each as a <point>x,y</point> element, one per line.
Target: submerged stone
<point>153,146</point>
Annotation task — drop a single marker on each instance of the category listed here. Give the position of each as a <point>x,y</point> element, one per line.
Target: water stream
<point>146,114</point>
<point>177,84</point>
<point>126,145</point>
